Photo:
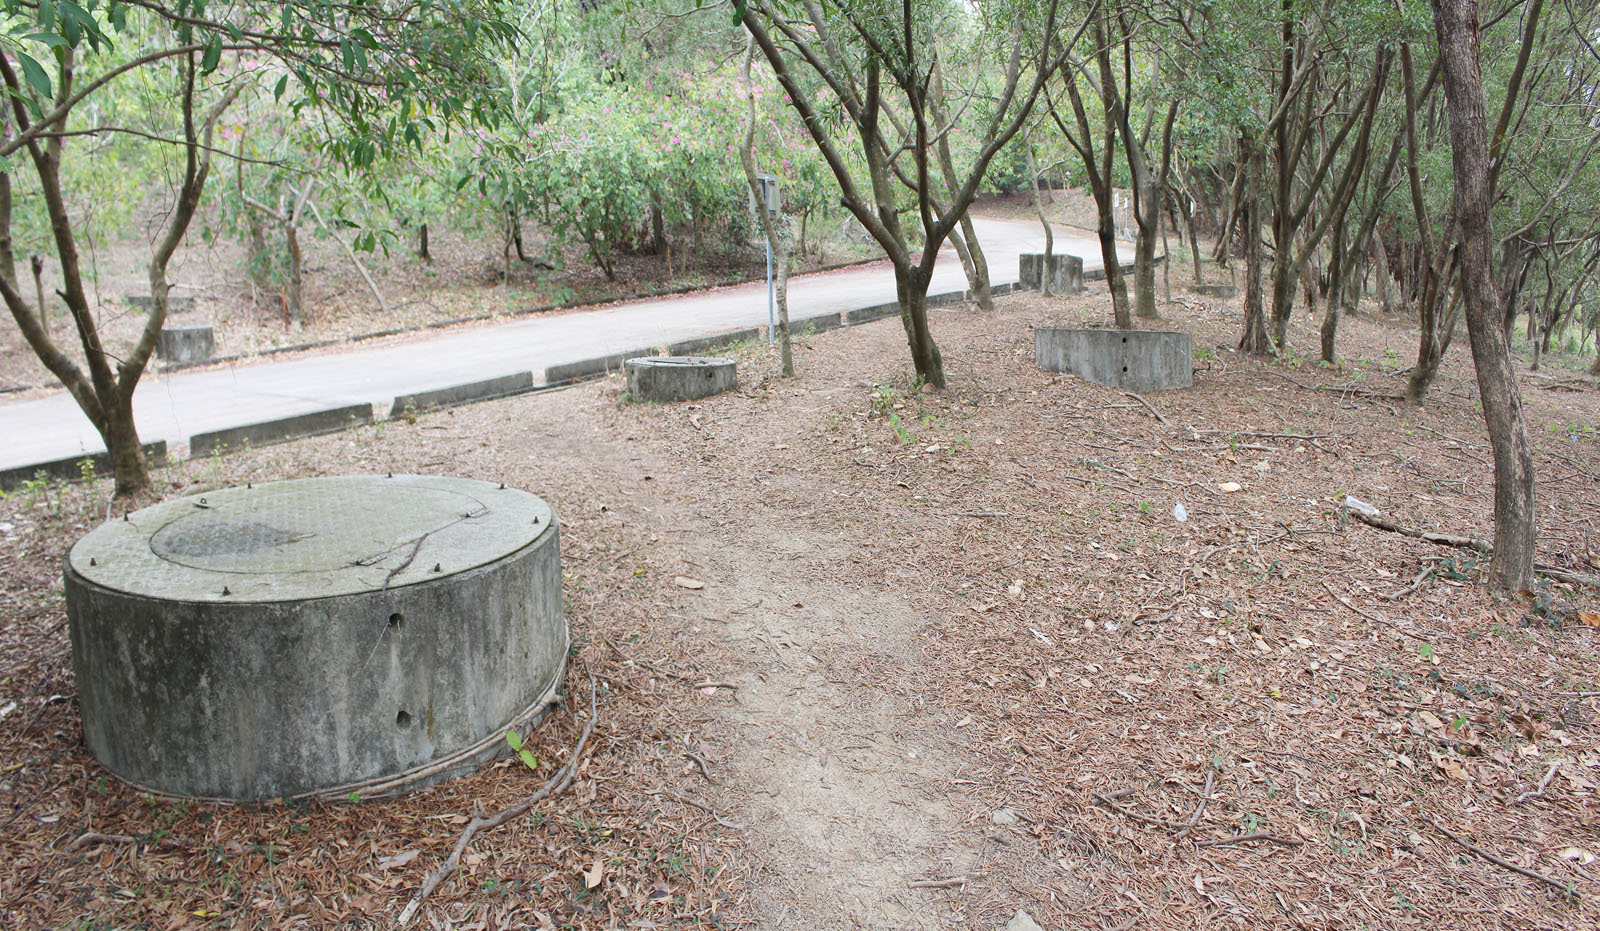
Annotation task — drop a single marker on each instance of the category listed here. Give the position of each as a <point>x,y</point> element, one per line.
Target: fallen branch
<point>92,838</point>
<point>1130,813</point>
<point>1250,839</point>
<point>1443,539</point>
<point>1200,809</point>
<point>1543,784</point>
<point>1566,890</point>
<point>1369,616</point>
<point>704,767</point>
<point>1418,583</point>
<point>1470,543</point>
<point>639,662</point>
<point>941,883</point>
<point>1148,407</point>
<point>712,684</point>
<point>555,786</point>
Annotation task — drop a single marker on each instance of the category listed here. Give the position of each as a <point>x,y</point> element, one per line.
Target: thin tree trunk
<point>1038,210</point>
<point>36,262</point>
<point>1380,260</point>
<point>1515,532</point>
<point>1255,339</point>
<point>422,243</point>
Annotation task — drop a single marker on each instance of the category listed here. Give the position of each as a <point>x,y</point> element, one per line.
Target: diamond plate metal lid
<point>310,538</point>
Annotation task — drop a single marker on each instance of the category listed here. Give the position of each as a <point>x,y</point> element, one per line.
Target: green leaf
<point>35,74</point>
<point>235,32</point>
<point>47,38</point>
<point>283,85</point>
<point>529,759</point>
<point>515,740</point>
<point>213,55</point>
<point>47,14</point>
<point>119,16</point>
<point>347,52</point>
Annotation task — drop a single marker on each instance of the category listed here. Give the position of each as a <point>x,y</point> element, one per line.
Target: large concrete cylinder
<point>319,637</point>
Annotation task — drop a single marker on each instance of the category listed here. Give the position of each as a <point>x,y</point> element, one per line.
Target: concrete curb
<point>486,390</point>
<point>72,466</point>
<point>869,314</point>
<point>1099,274</point>
<point>817,324</point>
<point>585,368</point>
<point>705,344</point>
<point>268,432</point>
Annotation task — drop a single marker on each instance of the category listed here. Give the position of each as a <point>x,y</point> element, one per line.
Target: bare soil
<point>954,656</point>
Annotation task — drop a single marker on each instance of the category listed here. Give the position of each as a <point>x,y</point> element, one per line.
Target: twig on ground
<point>1543,784</point>
<point>1416,584</point>
<point>639,662</point>
<point>705,768</point>
<point>1369,616</point>
<point>1250,839</point>
<point>1446,436</point>
<point>1200,809</point>
<point>713,684</point>
<point>1130,813</point>
<point>1148,407</point>
<point>556,785</point>
<point>1472,543</point>
<point>941,883</point>
<point>1566,890</point>
<point>91,838</point>
<point>1443,539</point>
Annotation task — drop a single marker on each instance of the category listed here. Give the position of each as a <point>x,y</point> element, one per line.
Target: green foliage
<point>514,741</point>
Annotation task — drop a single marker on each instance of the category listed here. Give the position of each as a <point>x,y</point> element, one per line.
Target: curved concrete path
<point>177,406</point>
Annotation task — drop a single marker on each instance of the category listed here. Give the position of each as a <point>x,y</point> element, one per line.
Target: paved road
<point>177,406</point>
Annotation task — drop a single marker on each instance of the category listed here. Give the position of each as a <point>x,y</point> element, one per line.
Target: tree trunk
<point>1330,317</point>
<point>36,262</point>
<point>1194,239</point>
<point>514,218</point>
<point>911,286</point>
<point>774,226</point>
<point>1380,261</point>
<point>1038,210</point>
<point>422,243</point>
<point>1515,533</point>
<point>982,293</point>
<point>1255,339</point>
<point>122,442</point>
<point>293,308</point>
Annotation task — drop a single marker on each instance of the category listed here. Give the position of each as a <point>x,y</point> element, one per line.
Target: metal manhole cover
<point>310,538</point>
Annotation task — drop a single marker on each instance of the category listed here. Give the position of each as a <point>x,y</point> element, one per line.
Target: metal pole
<point>771,320</point>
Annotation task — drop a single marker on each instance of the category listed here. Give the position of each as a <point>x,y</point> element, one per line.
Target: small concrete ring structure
<point>317,637</point>
<point>679,378</point>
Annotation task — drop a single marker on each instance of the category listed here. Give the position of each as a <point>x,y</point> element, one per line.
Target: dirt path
<point>837,774</point>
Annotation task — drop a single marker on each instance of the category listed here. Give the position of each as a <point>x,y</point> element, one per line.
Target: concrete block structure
<point>1135,360</point>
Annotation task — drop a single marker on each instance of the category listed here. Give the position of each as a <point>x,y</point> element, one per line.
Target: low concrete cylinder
<point>1066,272</point>
<point>1135,360</point>
<point>663,379</point>
<point>318,637</point>
<point>185,344</point>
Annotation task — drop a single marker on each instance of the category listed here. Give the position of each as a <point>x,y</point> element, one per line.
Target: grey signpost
<point>769,196</point>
